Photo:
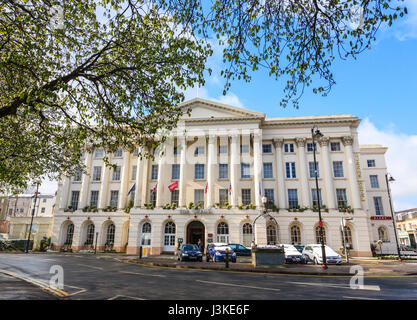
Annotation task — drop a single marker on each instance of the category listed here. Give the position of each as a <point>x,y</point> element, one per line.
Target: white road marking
<point>86,265</point>
<point>360,298</point>
<point>333,285</point>
<point>238,285</point>
<point>143,274</point>
<point>134,298</point>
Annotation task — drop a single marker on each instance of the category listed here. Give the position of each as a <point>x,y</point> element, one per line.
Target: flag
<point>154,188</point>
<point>205,190</point>
<point>173,186</point>
<point>230,189</point>
<point>132,189</point>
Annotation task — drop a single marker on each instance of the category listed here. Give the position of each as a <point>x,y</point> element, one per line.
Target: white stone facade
<point>258,157</point>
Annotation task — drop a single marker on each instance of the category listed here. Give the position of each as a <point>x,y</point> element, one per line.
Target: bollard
<point>227,258</point>
<point>140,252</point>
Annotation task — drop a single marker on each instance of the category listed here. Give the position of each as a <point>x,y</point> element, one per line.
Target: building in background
<point>226,159</point>
<point>407,227</point>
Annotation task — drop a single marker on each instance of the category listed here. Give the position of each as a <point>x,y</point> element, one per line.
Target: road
<point>108,277</point>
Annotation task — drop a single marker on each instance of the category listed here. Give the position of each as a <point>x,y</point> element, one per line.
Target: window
<point>94,198</point>
<point>338,169</point>
<point>175,171</point>
<point>378,206</point>
<point>118,153</point>
<point>74,199</point>
<point>246,196</point>
<point>175,197</point>
<point>222,149</point>
<point>270,201</point>
<point>199,151</point>
<point>334,146</point>
<point>199,196</point>
<point>223,171</point>
<point>244,148</point>
<point>114,196</point>
<point>371,163</point>
<point>42,210</point>
<point>223,196</point>
<point>110,235</point>
<point>268,170</point>
<point>97,174</point>
<point>134,169</point>
<point>245,170</point>
<point>267,148</point>
<point>199,171</point>
<point>290,170</point>
<point>176,150</point>
<point>90,234</point>
<point>136,152</point>
<point>288,147</point>
<point>152,198</point>
<point>146,234</point>
<point>341,198</point>
<point>348,237</point>
<point>310,147</point>
<point>44,200</point>
<point>318,236</point>
<point>223,232</point>
<point>315,199</point>
<point>292,198</point>
<point>77,176</point>
<point>271,235</point>
<point>70,234</point>
<point>154,174</point>
<point>247,234</point>
<point>383,234</point>
<point>374,181</point>
<point>116,173</point>
<point>99,153</point>
<point>169,236</point>
<point>295,235</point>
<point>311,169</point>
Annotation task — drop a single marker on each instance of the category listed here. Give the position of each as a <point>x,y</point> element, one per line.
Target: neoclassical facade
<point>208,180</point>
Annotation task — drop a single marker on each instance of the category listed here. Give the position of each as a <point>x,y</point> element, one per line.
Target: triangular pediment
<point>208,109</point>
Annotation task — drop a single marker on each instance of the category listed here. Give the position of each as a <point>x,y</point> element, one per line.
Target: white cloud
<point>401,161</point>
<point>48,187</point>
<point>407,26</point>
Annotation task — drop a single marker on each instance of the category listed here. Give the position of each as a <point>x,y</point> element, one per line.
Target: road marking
<point>333,285</point>
<point>118,296</point>
<point>143,274</point>
<point>238,285</point>
<point>360,298</point>
<point>86,265</point>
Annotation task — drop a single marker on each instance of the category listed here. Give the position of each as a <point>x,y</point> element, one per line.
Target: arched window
<point>247,234</point>
<point>223,232</point>
<point>170,227</point>
<point>70,234</point>
<point>90,234</point>
<point>111,229</point>
<point>348,237</point>
<point>271,235</point>
<point>383,234</point>
<point>169,237</point>
<point>318,237</point>
<point>295,235</point>
<point>146,234</point>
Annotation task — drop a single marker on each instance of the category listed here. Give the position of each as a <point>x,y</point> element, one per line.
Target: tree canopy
<point>110,73</point>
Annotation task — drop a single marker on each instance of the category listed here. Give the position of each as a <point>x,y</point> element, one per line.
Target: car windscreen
<point>190,247</point>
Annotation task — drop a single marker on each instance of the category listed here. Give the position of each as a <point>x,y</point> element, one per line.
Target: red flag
<point>173,186</point>
<point>205,190</point>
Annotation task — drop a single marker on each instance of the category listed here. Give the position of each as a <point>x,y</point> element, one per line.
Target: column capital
<point>211,138</point>
<point>324,141</point>
<point>301,142</point>
<point>278,142</point>
<point>347,140</point>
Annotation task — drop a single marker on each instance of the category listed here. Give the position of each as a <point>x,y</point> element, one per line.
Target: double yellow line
<point>42,285</point>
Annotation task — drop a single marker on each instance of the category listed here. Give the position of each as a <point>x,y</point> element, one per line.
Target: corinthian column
<point>138,182</point>
<point>160,188</point>
<point>212,142</point>
<point>85,184</point>
<point>65,191</point>
<point>235,161</point>
<point>124,180</point>
<point>301,142</point>
<point>183,149</point>
<point>104,188</point>
<point>328,175</point>
<point>257,167</point>
<point>280,173</point>
<point>353,178</point>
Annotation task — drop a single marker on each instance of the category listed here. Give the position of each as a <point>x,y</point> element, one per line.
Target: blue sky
<point>380,87</point>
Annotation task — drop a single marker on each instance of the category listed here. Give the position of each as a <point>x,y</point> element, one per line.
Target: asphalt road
<point>107,277</point>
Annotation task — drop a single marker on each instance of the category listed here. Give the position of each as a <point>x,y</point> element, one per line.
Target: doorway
<point>195,232</point>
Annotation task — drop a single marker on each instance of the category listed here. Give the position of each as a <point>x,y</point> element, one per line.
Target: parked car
<point>314,253</point>
<point>240,250</point>
<point>292,255</point>
<point>189,252</point>
<point>217,252</point>
<point>300,248</point>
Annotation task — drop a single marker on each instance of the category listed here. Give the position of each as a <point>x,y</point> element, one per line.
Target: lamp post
<point>31,220</point>
<point>317,134</point>
<point>344,237</point>
<point>388,179</point>
<point>264,213</point>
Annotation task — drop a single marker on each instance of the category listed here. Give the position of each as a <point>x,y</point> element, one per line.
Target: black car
<point>190,252</point>
<point>240,250</point>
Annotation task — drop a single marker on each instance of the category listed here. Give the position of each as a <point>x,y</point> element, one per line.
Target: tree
<point>71,78</point>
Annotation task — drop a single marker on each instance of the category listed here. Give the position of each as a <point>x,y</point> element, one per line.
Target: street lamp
<point>263,213</point>
<point>316,134</point>
<point>389,178</point>
<point>31,219</point>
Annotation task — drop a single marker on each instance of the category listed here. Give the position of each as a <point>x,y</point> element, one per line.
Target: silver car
<point>314,253</point>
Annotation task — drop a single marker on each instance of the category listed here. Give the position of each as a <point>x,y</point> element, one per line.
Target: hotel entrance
<point>195,231</point>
